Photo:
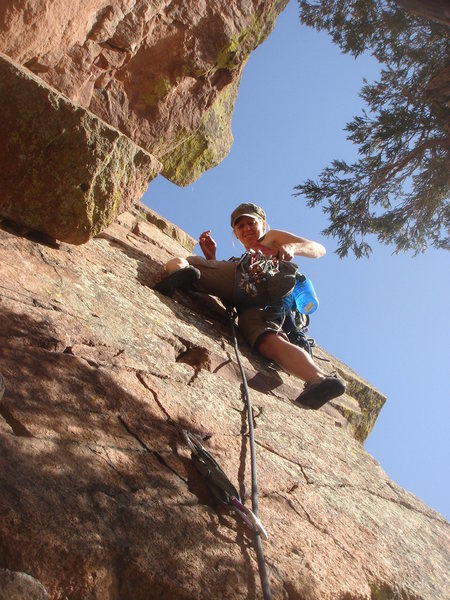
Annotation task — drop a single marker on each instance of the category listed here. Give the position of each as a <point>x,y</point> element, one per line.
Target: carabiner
<point>219,484</point>
<point>249,517</point>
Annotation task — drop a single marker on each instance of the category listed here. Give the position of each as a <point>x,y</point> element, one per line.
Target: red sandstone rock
<point>64,172</point>
<point>112,87</point>
<point>98,497</point>
<point>20,586</point>
<point>164,73</point>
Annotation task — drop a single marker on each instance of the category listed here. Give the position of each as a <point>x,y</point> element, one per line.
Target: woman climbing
<point>252,284</point>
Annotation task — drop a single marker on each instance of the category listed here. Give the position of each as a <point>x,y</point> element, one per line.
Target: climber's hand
<point>286,251</point>
<point>208,245</point>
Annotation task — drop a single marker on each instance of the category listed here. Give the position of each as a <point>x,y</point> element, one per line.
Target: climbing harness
<point>257,274</point>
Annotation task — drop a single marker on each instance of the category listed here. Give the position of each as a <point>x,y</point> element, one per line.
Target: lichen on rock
<point>66,173</point>
<point>208,146</point>
<point>153,70</point>
<point>113,95</point>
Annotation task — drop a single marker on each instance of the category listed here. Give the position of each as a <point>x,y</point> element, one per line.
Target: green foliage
<point>398,189</point>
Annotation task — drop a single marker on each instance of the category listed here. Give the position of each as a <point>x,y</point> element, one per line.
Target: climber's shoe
<point>317,394</point>
<point>178,280</point>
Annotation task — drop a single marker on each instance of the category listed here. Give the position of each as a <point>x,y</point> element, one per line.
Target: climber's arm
<point>290,245</point>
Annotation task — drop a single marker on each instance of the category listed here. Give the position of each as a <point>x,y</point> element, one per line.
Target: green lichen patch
<point>199,150</point>
<point>156,90</point>
<point>386,592</point>
<point>196,152</point>
<point>145,214</point>
<point>69,173</point>
<point>190,159</point>
<point>363,404</point>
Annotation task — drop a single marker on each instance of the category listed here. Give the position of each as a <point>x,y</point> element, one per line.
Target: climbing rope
<point>231,314</point>
<point>219,484</point>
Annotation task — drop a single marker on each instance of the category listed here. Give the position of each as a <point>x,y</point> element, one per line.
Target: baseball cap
<point>247,209</point>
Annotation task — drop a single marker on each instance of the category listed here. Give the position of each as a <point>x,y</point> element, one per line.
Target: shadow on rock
<point>93,499</point>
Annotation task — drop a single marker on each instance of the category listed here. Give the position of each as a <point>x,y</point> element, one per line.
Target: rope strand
<point>257,538</point>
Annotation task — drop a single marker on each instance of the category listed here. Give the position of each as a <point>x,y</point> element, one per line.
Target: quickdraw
<point>219,484</point>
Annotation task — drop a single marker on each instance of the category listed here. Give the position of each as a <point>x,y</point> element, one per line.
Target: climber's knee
<point>175,264</point>
<point>268,344</point>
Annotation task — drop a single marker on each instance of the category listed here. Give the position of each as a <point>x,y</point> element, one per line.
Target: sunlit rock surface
<point>164,73</point>
<point>20,586</point>
<point>97,98</point>
<point>98,496</point>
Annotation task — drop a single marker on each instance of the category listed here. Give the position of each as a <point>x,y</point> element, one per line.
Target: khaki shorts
<point>218,279</point>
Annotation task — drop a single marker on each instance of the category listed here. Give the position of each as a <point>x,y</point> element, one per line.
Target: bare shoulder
<point>277,237</point>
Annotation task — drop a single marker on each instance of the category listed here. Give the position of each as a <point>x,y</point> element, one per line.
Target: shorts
<point>218,279</point>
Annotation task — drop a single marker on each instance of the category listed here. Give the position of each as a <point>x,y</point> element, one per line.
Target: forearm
<point>294,245</point>
<point>309,249</point>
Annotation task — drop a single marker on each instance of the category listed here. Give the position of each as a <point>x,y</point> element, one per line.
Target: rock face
<point>97,98</point>
<point>98,496</point>
<point>164,73</point>
<point>17,586</point>
<point>64,171</point>
<point>437,10</point>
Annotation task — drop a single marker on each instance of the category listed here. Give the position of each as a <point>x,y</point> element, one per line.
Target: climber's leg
<point>293,359</point>
<point>269,340</point>
<point>175,264</point>
<point>179,278</point>
<point>215,277</point>
<point>320,387</point>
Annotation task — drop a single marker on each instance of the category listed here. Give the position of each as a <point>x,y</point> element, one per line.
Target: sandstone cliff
<point>98,496</point>
<point>164,73</point>
<point>99,97</point>
<point>99,374</point>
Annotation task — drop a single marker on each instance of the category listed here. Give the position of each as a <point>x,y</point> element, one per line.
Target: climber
<point>250,285</point>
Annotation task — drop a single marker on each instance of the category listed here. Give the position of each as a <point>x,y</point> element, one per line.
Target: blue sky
<point>386,317</point>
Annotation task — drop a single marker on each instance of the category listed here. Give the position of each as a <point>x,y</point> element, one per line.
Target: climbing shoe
<point>317,394</point>
<point>178,280</point>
